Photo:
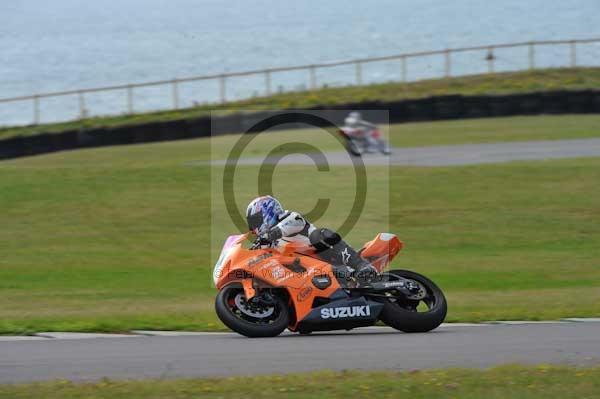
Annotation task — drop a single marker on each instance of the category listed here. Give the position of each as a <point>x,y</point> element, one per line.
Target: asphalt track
<point>25,359</point>
<point>226,354</point>
<point>450,155</point>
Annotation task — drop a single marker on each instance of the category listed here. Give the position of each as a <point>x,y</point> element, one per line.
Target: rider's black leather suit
<point>329,246</point>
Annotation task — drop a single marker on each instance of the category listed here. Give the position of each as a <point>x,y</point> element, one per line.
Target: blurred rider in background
<point>357,127</point>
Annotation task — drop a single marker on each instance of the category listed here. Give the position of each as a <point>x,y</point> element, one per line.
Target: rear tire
<point>384,148</point>
<point>245,327</point>
<point>400,318</point>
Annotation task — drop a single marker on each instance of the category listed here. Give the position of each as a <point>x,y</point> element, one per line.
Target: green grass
<point>493,130</point>
<point>114,239</point>
<point>529,382</point>
<point>499,83</point>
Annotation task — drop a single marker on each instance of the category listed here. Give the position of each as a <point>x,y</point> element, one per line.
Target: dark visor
<point>255,221</point>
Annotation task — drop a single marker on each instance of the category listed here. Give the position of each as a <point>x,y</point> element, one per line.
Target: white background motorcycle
<point>363,141</point>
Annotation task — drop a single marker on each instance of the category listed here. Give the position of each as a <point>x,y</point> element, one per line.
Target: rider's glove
<point>272,235</point>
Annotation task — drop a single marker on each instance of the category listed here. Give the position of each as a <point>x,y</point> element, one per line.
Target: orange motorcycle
<point>263,291</point>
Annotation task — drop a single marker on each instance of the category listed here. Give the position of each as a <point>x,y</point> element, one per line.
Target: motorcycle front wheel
<point>421,312</point>
<point>353,148</point>
<point>250,319</point>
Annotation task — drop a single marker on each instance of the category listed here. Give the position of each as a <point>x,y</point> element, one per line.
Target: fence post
<point>175,87</point>
<point>447,62</point>
<point>531,56</point>
<point>36,109</point>
<point>82,111</point>
<point>130,99</point>
<point>573,46</point>
<point>222,89</point>
<point>490,57</point>
<point>404,68</point>
<point>268,82</point>
<point>358,71</point>
<point>313,78</point>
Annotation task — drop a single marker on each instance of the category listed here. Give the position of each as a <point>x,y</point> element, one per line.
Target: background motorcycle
<point>262,292</point>
<point>359,142</point>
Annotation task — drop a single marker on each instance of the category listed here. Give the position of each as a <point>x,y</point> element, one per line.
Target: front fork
<point>249,291</point>
<point>252,296</point>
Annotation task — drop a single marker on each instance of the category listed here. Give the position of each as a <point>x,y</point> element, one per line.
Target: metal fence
<point>489,59</point>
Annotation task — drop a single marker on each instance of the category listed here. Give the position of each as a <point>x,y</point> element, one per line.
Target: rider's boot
<point>365,273</point>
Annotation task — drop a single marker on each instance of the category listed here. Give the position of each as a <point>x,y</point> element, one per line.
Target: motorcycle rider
<point>360,128</point>
<point>278,228</point>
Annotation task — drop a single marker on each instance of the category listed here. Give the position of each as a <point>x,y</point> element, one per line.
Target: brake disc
<point>253,311</point>
<point>419,294</point>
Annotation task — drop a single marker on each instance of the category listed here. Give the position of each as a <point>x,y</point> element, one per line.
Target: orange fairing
<point>381,250</point>
<point>268,267</point>
<point>292,272</point>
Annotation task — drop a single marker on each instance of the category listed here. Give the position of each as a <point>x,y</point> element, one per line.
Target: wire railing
<point>225,81</point>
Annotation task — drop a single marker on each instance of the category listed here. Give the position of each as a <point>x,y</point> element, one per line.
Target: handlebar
<point>259,242</point>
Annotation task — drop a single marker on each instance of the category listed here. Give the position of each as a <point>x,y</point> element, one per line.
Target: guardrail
<point>489,57</point>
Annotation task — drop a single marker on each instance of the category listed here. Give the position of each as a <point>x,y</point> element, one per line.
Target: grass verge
<point>541,381</point>
<point>120,238</point>
<point>499,83</point>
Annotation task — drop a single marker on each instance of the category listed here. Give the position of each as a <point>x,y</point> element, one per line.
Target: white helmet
<point>262,214</point>
<point>353,118</point>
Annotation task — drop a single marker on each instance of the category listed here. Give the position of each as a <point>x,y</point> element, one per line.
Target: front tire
<point>402,313</point>
<point>353,148</point>
<point>250,323</point>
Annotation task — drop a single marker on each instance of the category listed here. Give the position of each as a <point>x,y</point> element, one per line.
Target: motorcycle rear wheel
<point>236,314</point>
<point>384,147</point>
<point>402,314</point>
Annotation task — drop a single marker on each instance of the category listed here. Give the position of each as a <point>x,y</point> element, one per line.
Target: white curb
<point>46,336</point>
<point>465,324</point>
<point>522,322</point>
<point>74,335</point>
<point>583,319</point>
<point>176,333</point>
<point>4,338</point>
